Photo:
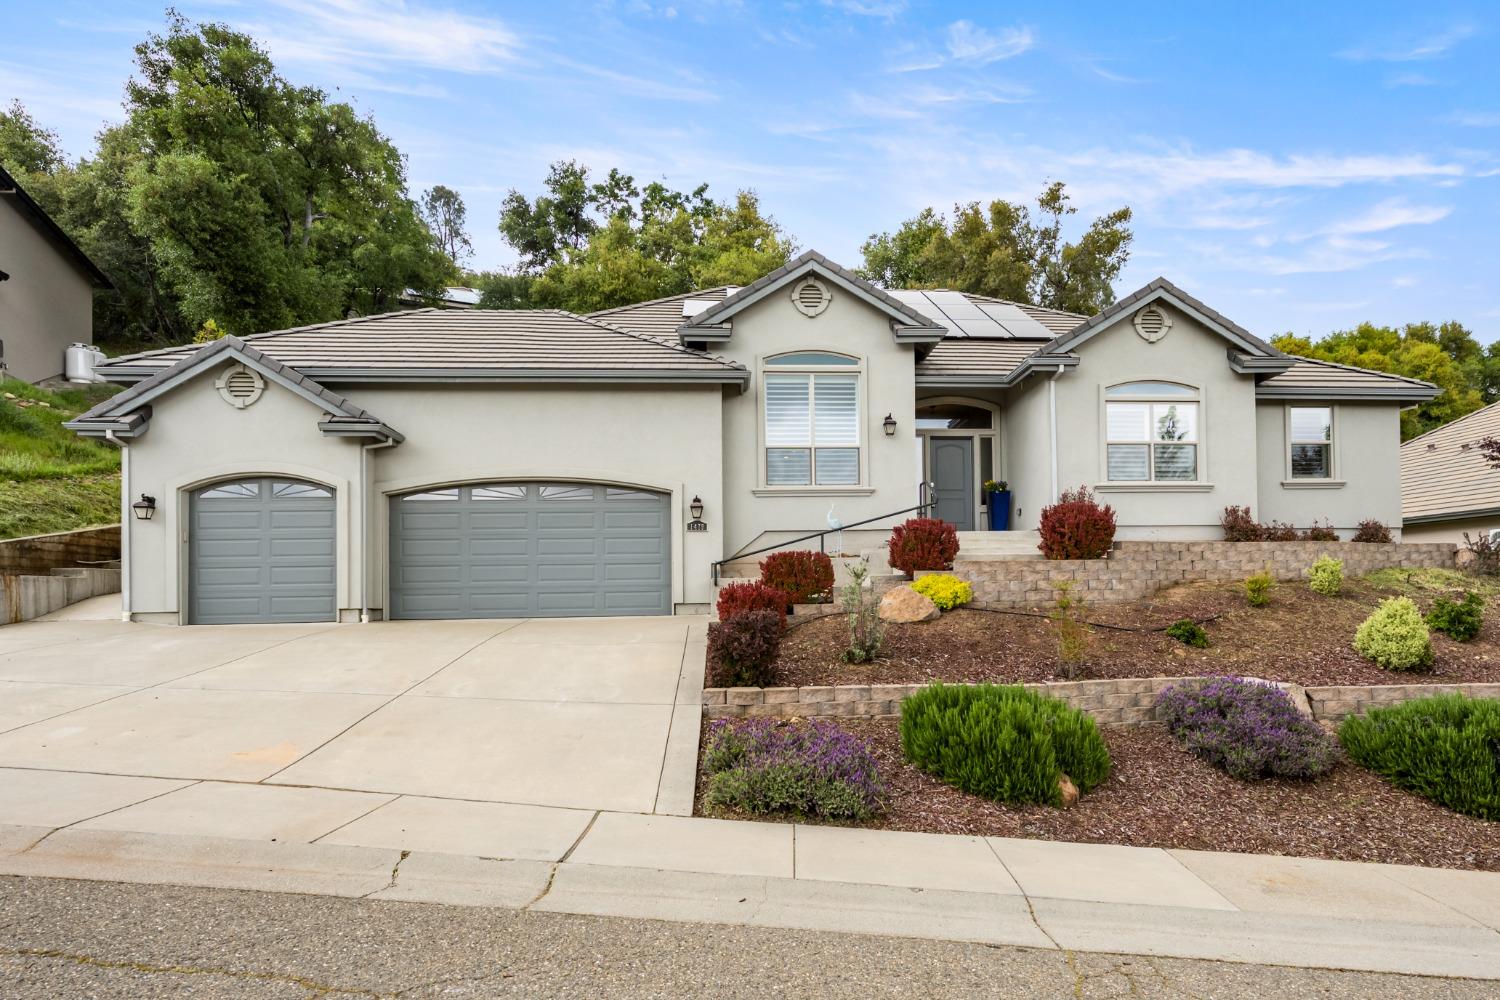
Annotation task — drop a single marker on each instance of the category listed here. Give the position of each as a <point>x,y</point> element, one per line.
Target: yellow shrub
<point>944,590</point>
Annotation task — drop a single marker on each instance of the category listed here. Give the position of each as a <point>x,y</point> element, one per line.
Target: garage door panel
<point>531,549</point>
<point>261,554</point>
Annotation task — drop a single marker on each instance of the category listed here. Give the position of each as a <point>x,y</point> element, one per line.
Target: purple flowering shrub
<point>1249,728</point>
<point>811,769</point>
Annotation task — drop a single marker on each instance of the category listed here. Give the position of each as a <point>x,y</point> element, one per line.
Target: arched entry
<point>532,549</point>
<point>261,549</point>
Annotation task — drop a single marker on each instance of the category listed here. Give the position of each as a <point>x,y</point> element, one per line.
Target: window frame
<point>1195,396</point>
<point>1289,476</point>
<point>855,368</point>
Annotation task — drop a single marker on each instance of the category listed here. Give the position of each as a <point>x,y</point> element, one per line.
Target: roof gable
<point>906,323</point>
<point>54,233</point>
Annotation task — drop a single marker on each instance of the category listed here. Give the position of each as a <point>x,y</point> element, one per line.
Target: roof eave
<point>373,429</point>
<point>1259,364</point>
<point>130,425</point>
<point>1458,515</point>
<point>1395,394</point>
<point>1038,364</point>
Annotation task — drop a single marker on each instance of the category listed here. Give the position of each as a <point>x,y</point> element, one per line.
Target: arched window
<point>1151,432</point>
<point>812,419</point>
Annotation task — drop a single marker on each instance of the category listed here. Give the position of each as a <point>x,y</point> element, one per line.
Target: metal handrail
<point>821,535</point>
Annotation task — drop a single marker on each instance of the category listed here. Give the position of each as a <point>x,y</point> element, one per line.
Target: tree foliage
<point>1005,251</point>
<point>230,193</point>
<point>25,147</point>
<point>1445,354</point>
<point>585,245</point>
<point>444,213</point>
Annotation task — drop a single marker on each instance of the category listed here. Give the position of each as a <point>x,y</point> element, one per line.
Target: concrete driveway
<point>334,721</point>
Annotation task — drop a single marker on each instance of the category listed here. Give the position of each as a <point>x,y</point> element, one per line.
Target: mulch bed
<point>1159,795</point>
<point>1302,637</point>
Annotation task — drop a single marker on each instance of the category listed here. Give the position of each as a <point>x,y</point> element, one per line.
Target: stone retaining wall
<point>1121,702</point>
<point>41,554</point>
<point>1136,570</point>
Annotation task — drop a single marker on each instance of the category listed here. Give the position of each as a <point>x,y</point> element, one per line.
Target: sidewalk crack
<point>395,874</point>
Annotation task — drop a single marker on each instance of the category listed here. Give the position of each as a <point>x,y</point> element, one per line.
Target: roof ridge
<point>346,321</point>
<point>653,340</point>
<point>1450,424</point>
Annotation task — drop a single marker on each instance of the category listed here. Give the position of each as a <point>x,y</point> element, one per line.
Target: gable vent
<point>811,296</point>
<point>1152,324</point>
<point>240,386</point>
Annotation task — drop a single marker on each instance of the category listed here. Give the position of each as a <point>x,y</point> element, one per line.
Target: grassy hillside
<point>51,479</point>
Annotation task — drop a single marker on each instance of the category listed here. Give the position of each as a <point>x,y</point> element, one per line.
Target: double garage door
<point>511,550</point>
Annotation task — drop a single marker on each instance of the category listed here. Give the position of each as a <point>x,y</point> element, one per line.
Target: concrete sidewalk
<point>1075,897</point>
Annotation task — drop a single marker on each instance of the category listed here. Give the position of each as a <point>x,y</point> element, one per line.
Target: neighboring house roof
<point>464,345</point>
<point>12,190</point>
<point>453,296</point>
<point>1444,476</point>
<point>128,413</point>
<point>906,322</point>
<point>1308,377</point>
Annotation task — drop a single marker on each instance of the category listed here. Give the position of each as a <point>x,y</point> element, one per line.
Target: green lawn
<point>51,479</point>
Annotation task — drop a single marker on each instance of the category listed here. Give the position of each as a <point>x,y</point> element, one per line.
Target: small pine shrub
<point>1189,633</point>
<point>1320,533</point>
<point>1443,748</point>
<point>1002,742</point>
<point>1248,728</point>
<point>1372,530</point>
<point>1072,631</point>
<point>1239,526</point>
<point>742,648</point>
<point>1326,576</point>
<point>922,543</point>
<point>750,596</point>
<point>862,607</point>
<point>1458,620</point>
<point>800,574</point>
<point>1077,527</point>
<point>1258,588</point>
<point>1395,636</point>
<point>805,769</point>
<point>944,590</point>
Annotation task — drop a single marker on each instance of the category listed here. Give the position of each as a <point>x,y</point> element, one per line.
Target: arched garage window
<point>812,419</point>
<point>1151,432</point>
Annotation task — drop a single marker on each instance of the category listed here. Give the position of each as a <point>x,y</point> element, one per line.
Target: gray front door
<point>261,550</point>
<point>524,550</point>
<point>951,461</point>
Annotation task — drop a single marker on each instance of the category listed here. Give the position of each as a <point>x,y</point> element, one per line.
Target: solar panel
<point>1014,320</point>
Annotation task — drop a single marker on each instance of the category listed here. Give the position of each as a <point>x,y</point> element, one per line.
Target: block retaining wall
<point>1136,570</point>
<point>24,597</point>
<point>39,555</point>
<point>1121,702</point>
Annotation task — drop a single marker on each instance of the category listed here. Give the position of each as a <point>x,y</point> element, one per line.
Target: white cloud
<point>869,8</point>
<point>1474,119</point>
<point>1411,80</point>
<point>392,31</point>
<point>1188,169</point>
<point>1411,50</point>
<point>969,43</point>
<point>1391,213</point>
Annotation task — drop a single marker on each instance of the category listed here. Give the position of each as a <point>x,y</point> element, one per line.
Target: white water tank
<point>79,363</point>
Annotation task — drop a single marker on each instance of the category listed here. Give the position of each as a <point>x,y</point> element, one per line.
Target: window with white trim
<point>1151,432</point>
<point>1310,441</point>
<point>812,420</point>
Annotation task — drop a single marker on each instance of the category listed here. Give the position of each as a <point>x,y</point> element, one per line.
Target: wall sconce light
<point>145,508</point>
<point>890,425</point>
<point>695,508</point>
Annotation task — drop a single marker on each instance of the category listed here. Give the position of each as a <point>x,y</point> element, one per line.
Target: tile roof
<point>1443,475</point>
<point>1308,376</point>
<point>523,343</point>
<point>658,318</point>
<point>959,358</point>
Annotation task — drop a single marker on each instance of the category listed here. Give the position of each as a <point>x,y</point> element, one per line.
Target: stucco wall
<point>891,467</point>
<point>1366,479</point>
<point>1026,451</point>
<point>1449,531</point>
<point>45,306</point>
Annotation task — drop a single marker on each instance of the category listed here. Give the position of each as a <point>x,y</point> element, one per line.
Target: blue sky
<point>1298,166</point>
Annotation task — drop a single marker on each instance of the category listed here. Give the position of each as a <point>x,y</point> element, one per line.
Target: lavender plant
<point>807,769</point>
<point>1248,728</point>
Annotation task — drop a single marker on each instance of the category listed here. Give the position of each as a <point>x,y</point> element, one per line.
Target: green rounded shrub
<point>1002,742</point>
<point>1395,636</point>
<point>1189,633</point>
<point>1443,748</point>
<point>1326,576</point>
<point>1458,620</point>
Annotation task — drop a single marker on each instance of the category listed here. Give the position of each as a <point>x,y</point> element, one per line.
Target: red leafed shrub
<point>1320,533</point>
<point>742,648</point>
<point>1278,531</point>
<point>751,596</point>
<point>800,574</point>
<point>1372,531</point>
<point>1239,526</point>
<point>1077,527</point>
<point>922,543</point>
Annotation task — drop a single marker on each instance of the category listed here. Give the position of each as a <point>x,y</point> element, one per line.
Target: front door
<point>951,461</point>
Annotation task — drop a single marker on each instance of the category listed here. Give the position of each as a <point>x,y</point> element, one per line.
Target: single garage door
<point>514,550</point>
<point>261,550</point>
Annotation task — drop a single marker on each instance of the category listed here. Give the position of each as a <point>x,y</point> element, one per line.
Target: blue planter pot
<point>1000,511</point>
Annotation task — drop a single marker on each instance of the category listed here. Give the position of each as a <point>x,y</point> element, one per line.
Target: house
<point>46,288</point>
<point>436,463</point>
<point>452,297</point>
<point>1447,488</point>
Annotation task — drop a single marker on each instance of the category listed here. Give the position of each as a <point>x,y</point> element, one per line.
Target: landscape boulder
<point>903,605</point>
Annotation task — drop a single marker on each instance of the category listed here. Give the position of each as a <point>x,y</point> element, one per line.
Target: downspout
<point>109,436</point>
<point>364,526</point>
<point>1052,424</point>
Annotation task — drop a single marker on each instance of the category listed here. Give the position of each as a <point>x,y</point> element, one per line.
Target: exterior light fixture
<point>890,425</point>
<point>145,508</point>
<point>695,508</point>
